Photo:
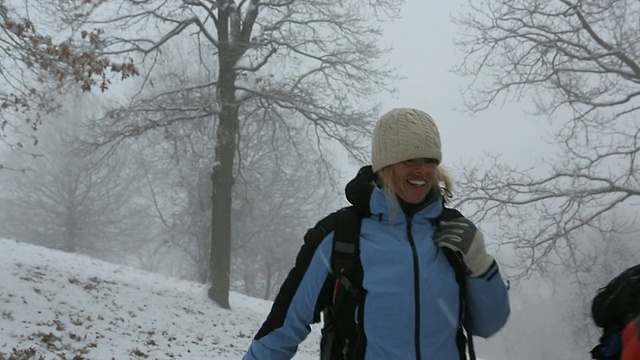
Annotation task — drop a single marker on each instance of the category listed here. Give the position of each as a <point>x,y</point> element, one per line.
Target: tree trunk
<point>267,288</point>
<point>222,172</point>
<point>70,233</point>
<point>222,178</point>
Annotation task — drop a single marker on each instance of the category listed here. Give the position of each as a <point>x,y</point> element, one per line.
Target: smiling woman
<point>425,281</point>
<point>414,179</point>
<point>406,154</point>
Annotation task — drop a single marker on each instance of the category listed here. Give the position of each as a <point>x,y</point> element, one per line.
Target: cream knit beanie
<point>404,134</point>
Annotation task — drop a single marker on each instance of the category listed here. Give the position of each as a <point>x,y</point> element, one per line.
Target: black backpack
<point>342,294</point>
<point>613,307</point>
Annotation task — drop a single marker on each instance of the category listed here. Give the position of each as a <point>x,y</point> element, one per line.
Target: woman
<point>412,306</point>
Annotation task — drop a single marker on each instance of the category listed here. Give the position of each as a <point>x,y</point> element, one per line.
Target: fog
<point>425,54</point>
<point>125,175</point>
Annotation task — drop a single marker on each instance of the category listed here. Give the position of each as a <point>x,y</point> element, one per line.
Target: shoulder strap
<point>345,260</point>
<point>346,269</point>
<point>343,332</point>
<point>463,339</point>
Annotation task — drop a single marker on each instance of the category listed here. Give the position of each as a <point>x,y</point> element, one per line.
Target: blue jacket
<point>391,313</point>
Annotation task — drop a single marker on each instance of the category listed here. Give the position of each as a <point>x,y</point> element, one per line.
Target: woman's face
<point>413,179</point>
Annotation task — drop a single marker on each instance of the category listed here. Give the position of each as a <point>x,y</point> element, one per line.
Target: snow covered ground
<point>55,305</point>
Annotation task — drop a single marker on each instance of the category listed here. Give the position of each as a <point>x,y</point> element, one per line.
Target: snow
<point>56,305</point>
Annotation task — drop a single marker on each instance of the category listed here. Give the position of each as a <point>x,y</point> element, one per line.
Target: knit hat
<point>404,134</point>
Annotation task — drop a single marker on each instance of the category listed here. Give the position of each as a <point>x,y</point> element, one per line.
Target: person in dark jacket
<point>412,301</point>
<point>614,306</point>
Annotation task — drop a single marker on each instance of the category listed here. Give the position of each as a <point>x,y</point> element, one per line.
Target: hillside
<point>55,305</point>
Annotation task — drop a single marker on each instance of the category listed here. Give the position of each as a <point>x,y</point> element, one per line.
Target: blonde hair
<point>384,180</point>
<point>444,185</point>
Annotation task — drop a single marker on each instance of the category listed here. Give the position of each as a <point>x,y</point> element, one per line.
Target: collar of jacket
<point>381,209</point>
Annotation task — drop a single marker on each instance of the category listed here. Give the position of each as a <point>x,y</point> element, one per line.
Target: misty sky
<point>424,53</point>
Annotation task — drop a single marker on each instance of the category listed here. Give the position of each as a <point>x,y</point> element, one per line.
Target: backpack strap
<point>346,267</point>
<point>464,340</point>
<point>343,338</point>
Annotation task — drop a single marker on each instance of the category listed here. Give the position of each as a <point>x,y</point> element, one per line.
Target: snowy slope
<point>55,305</point>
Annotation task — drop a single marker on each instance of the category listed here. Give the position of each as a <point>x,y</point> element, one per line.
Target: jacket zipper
<point>416,287</point>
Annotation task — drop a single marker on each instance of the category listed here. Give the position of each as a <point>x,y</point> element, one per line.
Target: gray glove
<point>462,236</point>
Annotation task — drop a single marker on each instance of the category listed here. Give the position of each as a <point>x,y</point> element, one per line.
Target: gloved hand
<point>462,236</point>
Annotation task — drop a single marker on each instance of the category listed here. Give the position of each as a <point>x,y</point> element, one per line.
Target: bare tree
<point>300,62</point>
<point>281,187</point>
<point>580,63</point>
<point>67,200</point>
<point>35,62</point>
<point>281,191</point>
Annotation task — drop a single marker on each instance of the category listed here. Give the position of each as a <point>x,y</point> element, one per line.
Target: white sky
<point>424,52</point>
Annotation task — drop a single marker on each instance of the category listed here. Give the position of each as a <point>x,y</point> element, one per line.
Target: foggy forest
<point>199,139</point>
